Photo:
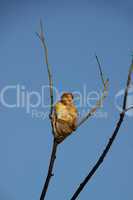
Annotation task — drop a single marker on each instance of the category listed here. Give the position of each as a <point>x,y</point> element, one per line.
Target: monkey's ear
<point>72,95</point>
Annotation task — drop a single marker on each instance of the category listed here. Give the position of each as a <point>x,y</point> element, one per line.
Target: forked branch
<point>101,99</point>
<point>90,113</point>
<point>110,142</point>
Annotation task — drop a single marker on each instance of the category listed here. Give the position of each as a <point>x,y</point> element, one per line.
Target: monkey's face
<point>67,98</point>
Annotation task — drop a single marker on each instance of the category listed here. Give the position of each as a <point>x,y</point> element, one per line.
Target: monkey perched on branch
<point>64,117</point>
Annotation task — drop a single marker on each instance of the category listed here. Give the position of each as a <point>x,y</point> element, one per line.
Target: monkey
<point>64,117</point>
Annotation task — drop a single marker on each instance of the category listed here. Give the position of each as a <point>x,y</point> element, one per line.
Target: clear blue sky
<point>75,30</point>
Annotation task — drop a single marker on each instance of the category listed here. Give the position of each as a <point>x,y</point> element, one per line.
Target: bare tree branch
<point>100,101</point>
<point>100,69</point>
<point>55,144</point>
<point>110,142</point>
<point>50,169</point>
<point>43,42</point>
<point>128,109</point>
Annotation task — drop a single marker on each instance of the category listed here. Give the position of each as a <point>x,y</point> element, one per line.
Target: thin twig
<point>55,145</point>
<point>100,101</point>
<point>110,142</point>
<point>97,106</point>
<point>42,39</point>
<point>128,109</point>
<point>100,69</point>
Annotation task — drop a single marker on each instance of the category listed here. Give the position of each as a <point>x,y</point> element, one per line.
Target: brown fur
<point>64,117</point>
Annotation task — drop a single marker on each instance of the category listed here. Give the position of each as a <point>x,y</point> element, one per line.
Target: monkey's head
<point>67,98</point>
